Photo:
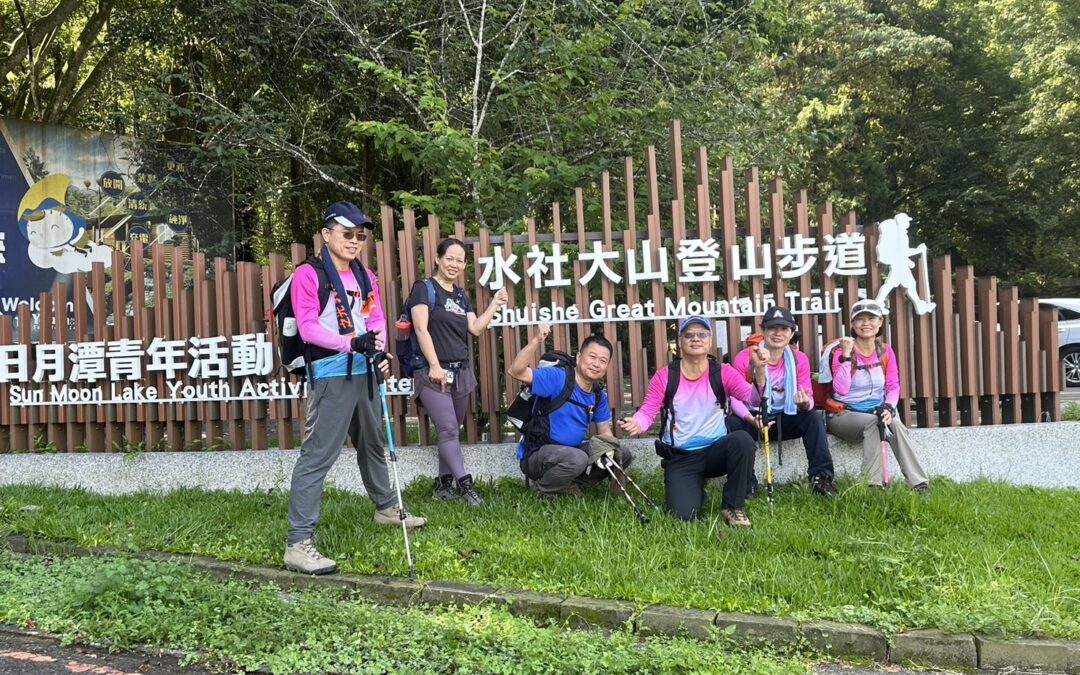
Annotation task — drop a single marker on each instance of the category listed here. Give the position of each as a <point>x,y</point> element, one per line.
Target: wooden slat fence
<point>983,356</point>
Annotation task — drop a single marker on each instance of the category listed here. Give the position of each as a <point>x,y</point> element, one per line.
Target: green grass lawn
<point>238,627</point>
<point>978,556</point>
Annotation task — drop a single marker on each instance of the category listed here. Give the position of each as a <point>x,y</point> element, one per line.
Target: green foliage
<point>866,556</point>
<point>1070,412</point>
<point>962,114</point>
<point>237,626</point>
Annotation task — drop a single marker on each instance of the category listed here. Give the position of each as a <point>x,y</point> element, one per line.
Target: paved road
<point>29,655</point>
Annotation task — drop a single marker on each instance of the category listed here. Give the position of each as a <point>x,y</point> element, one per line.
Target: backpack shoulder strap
<point>430,293</point>
<point>717,383</point>
<point>557,402</point>
<point>324,281</point>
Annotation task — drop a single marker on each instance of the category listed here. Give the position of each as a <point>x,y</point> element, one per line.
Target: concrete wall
<point>1045,455</point>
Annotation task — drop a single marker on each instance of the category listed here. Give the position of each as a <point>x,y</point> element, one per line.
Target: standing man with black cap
<point>786,400</point>
<point>338,334</point>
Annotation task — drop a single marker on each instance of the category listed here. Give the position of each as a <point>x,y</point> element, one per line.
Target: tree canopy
<point>965,114</point>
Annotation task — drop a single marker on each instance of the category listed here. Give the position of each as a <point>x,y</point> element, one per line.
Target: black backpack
<point>531,414</point>
<point>295,354</point>
<point>667,410</point>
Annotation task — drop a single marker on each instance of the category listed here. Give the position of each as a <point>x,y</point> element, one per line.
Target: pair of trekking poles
<point>609,464</point>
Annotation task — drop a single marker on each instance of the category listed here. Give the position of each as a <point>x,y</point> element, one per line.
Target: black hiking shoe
<point>445,489</point>
<point>466,489</point>
<point>751,488</point>
<point>822,485</point>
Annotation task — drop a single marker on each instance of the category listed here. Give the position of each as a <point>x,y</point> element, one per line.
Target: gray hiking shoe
<point>303,557</point>
<point>392,516</point>
<point>466,488</point>
<point>445,489</point>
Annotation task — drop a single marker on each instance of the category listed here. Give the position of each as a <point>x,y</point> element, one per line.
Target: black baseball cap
<point>778,316</point>
<point>348,215</point>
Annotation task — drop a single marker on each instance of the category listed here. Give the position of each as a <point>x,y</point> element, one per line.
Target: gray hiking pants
<point>337,407</point>
<point>860,427</point>
<point>554,467</point>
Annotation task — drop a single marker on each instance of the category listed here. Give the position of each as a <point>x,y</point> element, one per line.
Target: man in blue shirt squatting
<point>553,452</point>
<point>343,398</point>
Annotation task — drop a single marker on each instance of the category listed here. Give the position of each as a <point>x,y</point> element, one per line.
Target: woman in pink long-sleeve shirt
<point>866,380</point>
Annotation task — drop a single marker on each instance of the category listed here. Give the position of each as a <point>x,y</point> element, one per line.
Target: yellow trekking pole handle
<point>768,458</point>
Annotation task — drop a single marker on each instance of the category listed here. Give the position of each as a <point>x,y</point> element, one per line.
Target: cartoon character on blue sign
<point>58,238</point>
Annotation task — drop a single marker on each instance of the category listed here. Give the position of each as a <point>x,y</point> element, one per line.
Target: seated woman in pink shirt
<point>866,380</point>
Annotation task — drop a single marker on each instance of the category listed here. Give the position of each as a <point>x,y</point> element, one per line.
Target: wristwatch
<point>844,359</point>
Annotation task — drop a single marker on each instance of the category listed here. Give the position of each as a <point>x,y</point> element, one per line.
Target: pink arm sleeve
<point>841,373</point>
<point>654,399</point>
<point>802,376</point>
<point>376,321</point>
<point>305,299</point>
<point>892,378</point>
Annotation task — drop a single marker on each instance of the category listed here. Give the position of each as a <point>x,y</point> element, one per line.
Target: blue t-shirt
<point>569,422</point>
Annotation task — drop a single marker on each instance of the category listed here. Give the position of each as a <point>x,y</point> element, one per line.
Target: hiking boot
<point>392,516</point>
<point>751,488</point>
<point>822,485</point>
<point>923,489</point>
<point>735,517</point>
<point>303,557</point>
<point>445,489</point>
<point>466,488</point>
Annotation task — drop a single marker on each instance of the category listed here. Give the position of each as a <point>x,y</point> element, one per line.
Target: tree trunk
<point>89,36</point>
<point>43,26</point>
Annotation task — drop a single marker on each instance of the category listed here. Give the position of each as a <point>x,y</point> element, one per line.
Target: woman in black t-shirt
<point>444,386</point>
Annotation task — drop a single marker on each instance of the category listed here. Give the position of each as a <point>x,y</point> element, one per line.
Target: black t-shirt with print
<point>448,321</point>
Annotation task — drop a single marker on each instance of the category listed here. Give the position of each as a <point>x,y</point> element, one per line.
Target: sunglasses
<point>349,235</point>
<point>700,334</point>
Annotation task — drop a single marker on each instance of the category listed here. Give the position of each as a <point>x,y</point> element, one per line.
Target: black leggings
<point>685,474</point>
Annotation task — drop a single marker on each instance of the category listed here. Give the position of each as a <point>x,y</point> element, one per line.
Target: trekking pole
<point>884,450</point>
<point>647,498</point>
<point>402,514</point>
<point>642,518</point>
<point>768,466</point>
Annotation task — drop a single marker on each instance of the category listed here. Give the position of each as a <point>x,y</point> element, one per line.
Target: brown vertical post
<point>990,367</point>
<point>1048,335</point>
<point>677,192</point>
<point>728,242</point>
<point>50,415</point>
<point>830,323</point>
<point>1009,299</point>
<point>106,414</point>
<point>560,333</point>
<point>636,354</point>
<point>614,371</point>
<point>851,283</point>
<point>899,325</point>
<point>28,417</point>
<point>969,346</point>
<point>510,336</point>
<point>490,401</point>
<point>946,338</point>
<point>1031,402</point>
<point>753,229</point>
<point>776,236</point>
<point>807,322</point>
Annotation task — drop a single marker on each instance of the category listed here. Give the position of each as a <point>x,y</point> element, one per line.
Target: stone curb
<point>928,647</point>
<point>1061,656</point>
